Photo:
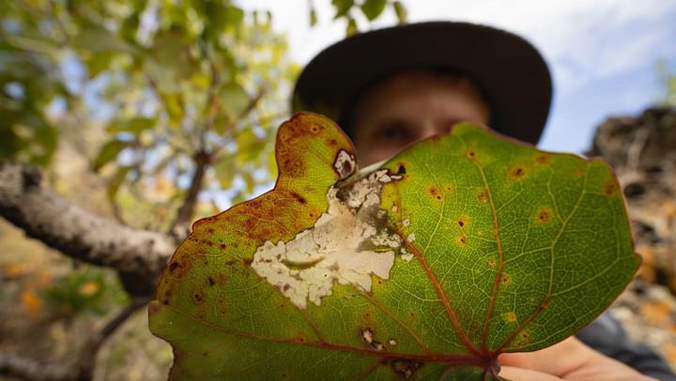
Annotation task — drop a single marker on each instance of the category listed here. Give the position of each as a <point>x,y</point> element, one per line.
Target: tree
<point>181,93</point>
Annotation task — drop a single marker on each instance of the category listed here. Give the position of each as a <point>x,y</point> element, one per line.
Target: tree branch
<point>181,223</point>
<point>80,370</point>
<point>138,255</point>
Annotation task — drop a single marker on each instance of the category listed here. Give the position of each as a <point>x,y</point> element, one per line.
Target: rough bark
<point>138,255</point>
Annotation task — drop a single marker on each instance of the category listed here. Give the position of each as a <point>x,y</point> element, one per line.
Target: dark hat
<point>510,73</point>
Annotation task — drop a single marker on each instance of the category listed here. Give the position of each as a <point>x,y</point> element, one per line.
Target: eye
<point>393,133</point>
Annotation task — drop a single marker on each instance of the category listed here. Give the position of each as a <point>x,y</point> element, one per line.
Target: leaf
<point>400,11</point>
<point>313,16</point>
<point>461,247</point>
<point>373,8</point>
<point>98,39</point>
<point>351,27</point>
<point>116,181</point>
<point>234,99</point>
<point>342,7</point>
<point>133,125</point>
<point>109,152</point>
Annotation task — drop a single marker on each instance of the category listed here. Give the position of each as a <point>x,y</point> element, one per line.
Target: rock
<point>642,151</point>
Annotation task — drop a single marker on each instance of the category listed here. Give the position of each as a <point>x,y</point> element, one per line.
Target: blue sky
<point>603,53</point>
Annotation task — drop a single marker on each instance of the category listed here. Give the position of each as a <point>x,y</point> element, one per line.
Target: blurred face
<point>412,106</point>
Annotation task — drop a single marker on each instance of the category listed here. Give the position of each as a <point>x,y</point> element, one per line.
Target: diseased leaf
<point>461,247</point>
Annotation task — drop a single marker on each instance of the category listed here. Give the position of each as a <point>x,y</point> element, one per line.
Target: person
<point>392,87</point>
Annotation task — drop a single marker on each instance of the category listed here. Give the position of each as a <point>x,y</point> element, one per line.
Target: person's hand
<point>567,360</point>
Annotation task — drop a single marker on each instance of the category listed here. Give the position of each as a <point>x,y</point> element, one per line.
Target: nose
<point>432,127</point>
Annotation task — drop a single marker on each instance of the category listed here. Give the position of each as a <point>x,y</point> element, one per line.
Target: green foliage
<point>369,9</point>
<point>27,85</point>
<point>85,290</point>
<point>458,249</point>
<point>373,8</point>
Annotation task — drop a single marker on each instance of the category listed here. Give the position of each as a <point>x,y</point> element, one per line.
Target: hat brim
<point>509,71</point>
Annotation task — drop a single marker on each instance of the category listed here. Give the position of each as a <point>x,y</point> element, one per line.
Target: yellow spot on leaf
<point>509,317</point>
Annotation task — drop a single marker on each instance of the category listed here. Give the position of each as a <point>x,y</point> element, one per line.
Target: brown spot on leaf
<point>173,266</point>
<point>293,167</point>
<point>517,172</point>
<point>247,261</point>
<point>435,193</point>
<point>198,296</point>
<point>401,169</point>
<point>491,262</point>
<point>167,296</point>
<point>509,317</point>
<point>404,367</point>
<point>462,222</point>
<point>610,188</point>
<point>222,246</point>
<point>463,240</point>
<point>543,215</point>
<point>482,196</point>
<point>471,154</point>
<point>211,281</point>
<point>332,142</point>
<point>505,279</point>
<point>578,172</point>
<point>543,159</point>
<point>522,338</point>
<point>299,198</point>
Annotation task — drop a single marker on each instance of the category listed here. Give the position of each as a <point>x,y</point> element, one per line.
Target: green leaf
<point>458,249</point>
<point>109,152</point>
<point>116,181</point>
<point>342,7</point>
<point>225,172</point>
<point>400,11</point>
<point>351,27</point>
<point>249,146</point>
<point>134,125</point>
<point>233,99</point>
<point>98,39</point>
<point>373,8</point>
<point>313,16</point>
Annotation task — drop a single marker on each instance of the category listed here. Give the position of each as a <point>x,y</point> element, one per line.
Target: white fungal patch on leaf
<point>345,164</point>
<point>347,245</point>
<point>367,335</point>
<point>406,256</point>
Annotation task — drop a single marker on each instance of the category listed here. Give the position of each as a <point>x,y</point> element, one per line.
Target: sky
<point>603,54</point>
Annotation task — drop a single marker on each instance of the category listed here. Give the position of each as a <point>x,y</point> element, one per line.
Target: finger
<point>572,360</point>
<point>558,360</point>
<point>519,374</point>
